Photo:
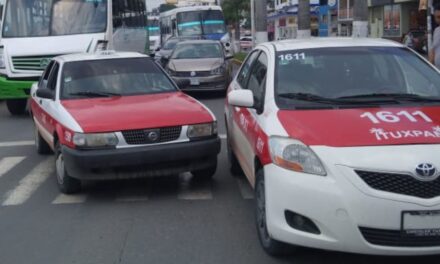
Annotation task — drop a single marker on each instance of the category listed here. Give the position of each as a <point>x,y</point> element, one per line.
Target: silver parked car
<point>203,62</point>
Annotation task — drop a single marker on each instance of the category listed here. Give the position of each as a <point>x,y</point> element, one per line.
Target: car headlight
<point>98,140</point>
<point>218,71</point>
<point>2,58</point>
<point>202,130</point>
<point>294,155</point>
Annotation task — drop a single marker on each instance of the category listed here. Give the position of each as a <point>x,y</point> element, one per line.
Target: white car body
<point>340,204</point>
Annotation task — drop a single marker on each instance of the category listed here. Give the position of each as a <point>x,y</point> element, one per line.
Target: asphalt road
<point>167,220</point>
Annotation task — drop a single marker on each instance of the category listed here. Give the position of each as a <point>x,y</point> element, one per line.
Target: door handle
<point>40,102</point>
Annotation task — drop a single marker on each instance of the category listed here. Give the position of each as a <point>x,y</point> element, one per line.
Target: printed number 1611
<point>390,117</point>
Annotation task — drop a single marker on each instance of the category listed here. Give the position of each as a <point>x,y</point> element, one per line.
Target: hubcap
<point>261,212</point>
<point>60,168</point>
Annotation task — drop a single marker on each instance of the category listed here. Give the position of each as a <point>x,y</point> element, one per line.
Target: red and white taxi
<point>118,115</point>
<point>341,140</point>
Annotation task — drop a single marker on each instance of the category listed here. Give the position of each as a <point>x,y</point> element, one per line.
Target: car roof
<point>312,43</point>
<point>103,55</point>
<point>199,41</point>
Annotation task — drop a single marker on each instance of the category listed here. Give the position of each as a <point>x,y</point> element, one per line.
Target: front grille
<point>394,238</point>
<point>197,74</point>
<point>31,63</point>
<point>140,137</point>
<point>401,184</point>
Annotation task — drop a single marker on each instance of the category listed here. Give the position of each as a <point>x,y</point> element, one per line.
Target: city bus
<point>34,31</point>
<point>207,22</point>
<point>154,33</point>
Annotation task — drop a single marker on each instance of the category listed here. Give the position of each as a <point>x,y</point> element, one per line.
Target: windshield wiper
<point>318,99</point>
<point>95,94</point>
<point>395,96</point>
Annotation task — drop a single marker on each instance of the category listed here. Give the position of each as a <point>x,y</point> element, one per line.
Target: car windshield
<point>40,18</point>
<point>170,44</point>
<point>190,23</point>
<point>197,51</point>
<point>359,72</point>
<point>134,76</point>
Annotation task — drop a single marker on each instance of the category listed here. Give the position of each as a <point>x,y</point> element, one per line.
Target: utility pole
<point>360,19</point>
<point>304,19</point>
<point>261,21</point>
<point>429,23</point>
<point>253,22</point>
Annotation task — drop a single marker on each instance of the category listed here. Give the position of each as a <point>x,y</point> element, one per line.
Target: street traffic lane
<point>162,220</point>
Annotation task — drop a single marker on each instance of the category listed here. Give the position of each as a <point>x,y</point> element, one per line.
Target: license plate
<point>421,223</point>
<point>194,81</point>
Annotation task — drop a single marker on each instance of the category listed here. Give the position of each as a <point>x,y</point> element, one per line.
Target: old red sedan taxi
<point>118,115</point>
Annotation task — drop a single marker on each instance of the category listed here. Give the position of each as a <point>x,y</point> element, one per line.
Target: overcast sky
<point>154,3</point>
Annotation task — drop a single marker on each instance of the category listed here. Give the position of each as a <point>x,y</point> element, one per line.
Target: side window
<point>45,76</point>
<point>243,76</point>
<point>52,82</point>
<point>257,79</point>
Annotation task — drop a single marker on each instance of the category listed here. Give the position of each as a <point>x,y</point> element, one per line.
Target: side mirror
<point>183,83</point>
<point>45,93</point>
<point>157,49</point>
<point>241,98</point>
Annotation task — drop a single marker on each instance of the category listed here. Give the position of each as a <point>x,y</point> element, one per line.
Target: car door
<point>245,123</point>
<point>44,112</point>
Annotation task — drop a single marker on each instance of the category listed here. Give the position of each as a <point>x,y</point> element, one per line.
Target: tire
<point>41,144</point>
<point>16,106</point>
<point>205,174</point>
<point>271,246</point>
<point>66,183</point>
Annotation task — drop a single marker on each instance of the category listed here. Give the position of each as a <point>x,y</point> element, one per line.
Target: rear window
<point>134,76</point>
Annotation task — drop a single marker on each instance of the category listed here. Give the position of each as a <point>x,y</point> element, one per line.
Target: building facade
<point>283,19</point>
<point>392,19</point>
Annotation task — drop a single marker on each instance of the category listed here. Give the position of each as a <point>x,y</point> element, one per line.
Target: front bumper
<point>339,210</point>
<point>211,83</point>
<point>145,161</point>
<point>14,88</point>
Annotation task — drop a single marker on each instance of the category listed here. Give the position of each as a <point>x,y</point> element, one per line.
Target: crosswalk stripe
<point>70,199</point>
<point>6,164</point>
<point>245,189</point>
<point>222,136</point>
<point>17,143</point>
<point>193,191</point>
<point>30,183</point>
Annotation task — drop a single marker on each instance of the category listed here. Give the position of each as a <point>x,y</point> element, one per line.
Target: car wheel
<point>234,165</point>
<point>205,174</point>
<point>271,246</point>
<point>16,106</point>
<point>41,144</point>
<point>66,183</point>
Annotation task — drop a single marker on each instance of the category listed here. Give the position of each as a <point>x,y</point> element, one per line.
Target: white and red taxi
<point>118,115</point>
<point>341,140</point>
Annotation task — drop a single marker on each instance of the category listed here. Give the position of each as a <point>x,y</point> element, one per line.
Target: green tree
<point>235,11</point>
<point>166,7</point>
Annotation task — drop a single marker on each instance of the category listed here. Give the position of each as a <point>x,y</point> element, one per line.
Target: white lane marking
<point>17,143</point>
<point>6,164</point>
<point>245,189</point>
<point>193,190</point>
<point>222,136</point>
<point>30,183</point>
<point>70,199</point>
